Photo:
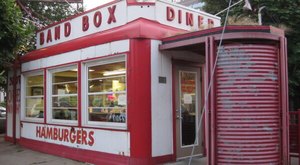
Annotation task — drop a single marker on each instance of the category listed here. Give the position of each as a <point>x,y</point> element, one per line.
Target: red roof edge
<point>140,28</point>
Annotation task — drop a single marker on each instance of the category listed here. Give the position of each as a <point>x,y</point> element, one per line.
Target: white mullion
<point>65,82</point>
<point>64,95</point>
<point>29,97</point>
<point>104,78</point>
<point>106,93</point>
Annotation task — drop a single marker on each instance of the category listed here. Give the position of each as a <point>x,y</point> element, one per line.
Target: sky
<point>89,4</point>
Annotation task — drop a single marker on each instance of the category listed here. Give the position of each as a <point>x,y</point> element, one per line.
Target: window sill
<point>106,125</point>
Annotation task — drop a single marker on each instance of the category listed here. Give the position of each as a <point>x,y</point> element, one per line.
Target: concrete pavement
<point>11,154</point>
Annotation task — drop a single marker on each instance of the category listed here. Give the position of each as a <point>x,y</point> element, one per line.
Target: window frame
<point>23,89</point>
<point>84,93</point>
<point>49,100</point>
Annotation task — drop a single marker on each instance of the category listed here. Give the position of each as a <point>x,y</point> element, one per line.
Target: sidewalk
<point>16,155</point>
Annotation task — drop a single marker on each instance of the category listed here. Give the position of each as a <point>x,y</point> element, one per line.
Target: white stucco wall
<point>161,105</point>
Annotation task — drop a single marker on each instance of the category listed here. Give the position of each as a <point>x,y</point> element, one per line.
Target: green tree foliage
<point>284,14</point>
<point>19,19</point>
<point>49,12</point>
<point>13,35</point>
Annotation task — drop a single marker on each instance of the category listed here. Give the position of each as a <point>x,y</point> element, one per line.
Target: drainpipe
<point>259,15</point>
<point>14,82</point>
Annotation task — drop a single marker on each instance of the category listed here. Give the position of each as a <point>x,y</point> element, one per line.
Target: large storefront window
<point>64,93</point>
<point>34,96</point>
<point>106,93</point>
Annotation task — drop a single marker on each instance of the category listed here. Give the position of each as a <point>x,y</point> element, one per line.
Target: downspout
<point>14,82</point>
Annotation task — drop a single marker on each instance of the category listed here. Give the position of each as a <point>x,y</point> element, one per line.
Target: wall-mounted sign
<point>116,14</point>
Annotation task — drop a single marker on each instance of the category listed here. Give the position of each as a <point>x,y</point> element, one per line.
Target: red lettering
<point>43,132</point>
<point>60,134</point>
<point>170,14</point>
<point>189,19</point>
<point>66,134</point>
<point>38,131</point>
<point>91,141</point>
<point>78,137</point>
<point>57,33</point>
<point>85,23</point>
<point>49,133</point>
<point>200,22</point>
<point>111,17</point>
<point>54,133</point>
<point>179,16</point>
<point>210,23</point>
<point>84,136</point>
<point>72,136</point>
<point>67,29</point>
<point>49,36</point>
<point>42,39</point>
<point>97,19</point>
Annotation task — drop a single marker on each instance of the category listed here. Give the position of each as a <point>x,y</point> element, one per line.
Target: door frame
<point>177,65</point>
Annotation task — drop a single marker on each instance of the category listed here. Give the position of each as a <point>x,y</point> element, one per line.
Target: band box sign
<point>116,14</point>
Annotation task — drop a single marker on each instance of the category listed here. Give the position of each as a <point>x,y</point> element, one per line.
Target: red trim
<point>227,36</point>
<point>139,28</point>
<point>14,113</point>
<point>163,159</point>
<point>212,100</point>
<point>10,139</point>
<point>89,156</point>
<point>77,15</point>
<point>207,104</point>
<point>203,108</point>
<point>45,96</point>
<point>139,100</point>
<point>174,109</point>
<point>79,94</point>
<point>218,30</point>
<point>284,101</point>
<point>135,3</point>
<point>75,153</point>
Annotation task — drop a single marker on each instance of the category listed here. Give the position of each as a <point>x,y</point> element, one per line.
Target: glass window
<point>64,94</point>
<point>107,92</point>
<point>34,96</point>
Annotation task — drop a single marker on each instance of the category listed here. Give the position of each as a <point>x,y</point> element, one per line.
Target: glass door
<point>188,111</point>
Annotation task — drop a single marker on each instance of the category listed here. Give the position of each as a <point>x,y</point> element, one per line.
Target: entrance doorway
<point>188,111</point>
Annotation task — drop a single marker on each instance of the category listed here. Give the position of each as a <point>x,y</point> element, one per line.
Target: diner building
<point>146,83</point>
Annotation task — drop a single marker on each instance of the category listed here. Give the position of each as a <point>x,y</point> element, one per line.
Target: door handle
<point>178,117</point>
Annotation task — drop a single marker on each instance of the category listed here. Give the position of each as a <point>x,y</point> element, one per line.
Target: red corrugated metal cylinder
<point>247,105</point>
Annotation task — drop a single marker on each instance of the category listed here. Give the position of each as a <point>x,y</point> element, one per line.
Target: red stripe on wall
<point>139,101</point>
<point>45,94</point>
<point>79,94</point>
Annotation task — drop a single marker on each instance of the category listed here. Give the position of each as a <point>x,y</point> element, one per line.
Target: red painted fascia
<point>140,28</point>
<point>135,3</point>
<point>218,30</point>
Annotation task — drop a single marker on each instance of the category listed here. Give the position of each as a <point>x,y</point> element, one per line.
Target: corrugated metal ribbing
<point>247,110</point>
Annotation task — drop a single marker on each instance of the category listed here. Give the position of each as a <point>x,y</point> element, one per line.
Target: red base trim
<point>10,139</point>
<point>87,155</point>
<point>163,159</point>
<point>75,154</point>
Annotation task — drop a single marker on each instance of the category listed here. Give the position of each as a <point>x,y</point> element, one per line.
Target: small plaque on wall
<point>162,80</point>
